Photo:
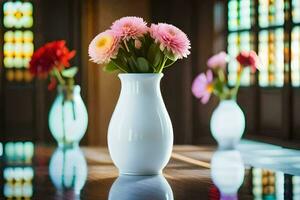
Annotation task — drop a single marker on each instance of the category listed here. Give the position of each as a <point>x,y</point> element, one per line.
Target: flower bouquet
<point>68,115</point>
<point>140,125</point>
<point>228,121</point>
<point>129,46</point>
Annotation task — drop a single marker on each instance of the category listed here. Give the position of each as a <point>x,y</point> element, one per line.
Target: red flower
<point>51,55</point>
<point>52,84</point>
<point>248,58</point>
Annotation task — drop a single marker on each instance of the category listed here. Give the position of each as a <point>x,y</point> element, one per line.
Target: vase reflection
<point>141,188</point>
<point>227,172</point>
<point>68,169</point>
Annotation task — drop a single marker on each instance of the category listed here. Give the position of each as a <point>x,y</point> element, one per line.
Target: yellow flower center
<point>209,88</point>
<point>104,42</point>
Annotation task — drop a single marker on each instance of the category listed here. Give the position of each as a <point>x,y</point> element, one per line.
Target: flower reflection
<point>141,188</point>
<point>227,171</point>
<point>68,169</point>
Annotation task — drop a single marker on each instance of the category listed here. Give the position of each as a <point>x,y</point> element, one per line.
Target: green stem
<point>121,68</point>
<point>221,75</point>
<point>237,85</point>
<point>59,77</point>
<point>163,64</point>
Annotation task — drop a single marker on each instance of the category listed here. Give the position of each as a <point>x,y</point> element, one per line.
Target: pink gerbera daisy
<point>203,87</point>
<point>171,38</point>
<point>217,60</point>
<point>104,47</point>
<point>129,27</point>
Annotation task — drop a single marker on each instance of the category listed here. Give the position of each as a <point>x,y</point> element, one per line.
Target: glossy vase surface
<point>140,134</point>
<point>68,117</point>
<point>227,124</point>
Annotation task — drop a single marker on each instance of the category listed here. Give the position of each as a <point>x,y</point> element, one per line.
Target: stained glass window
<point>271,53</point>
<point>237,42</point>
<point>240,21</point>
<point>240,14</point>
<point>18,39</point>
<point>271,41</point>
<point>295,57</point>
<point>271,13</point>
<point>296,11</point>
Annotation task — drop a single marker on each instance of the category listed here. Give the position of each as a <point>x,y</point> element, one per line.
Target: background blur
<point>270,98</point>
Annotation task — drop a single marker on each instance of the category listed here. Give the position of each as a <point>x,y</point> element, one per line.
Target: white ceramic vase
<point>227,124</point>
<point>68,117</point>
<point>140,133</point>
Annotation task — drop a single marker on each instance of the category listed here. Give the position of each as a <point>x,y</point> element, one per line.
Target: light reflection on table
<point>27,174</point>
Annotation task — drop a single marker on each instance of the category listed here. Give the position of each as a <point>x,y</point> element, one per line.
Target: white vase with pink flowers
<point>227,122</point>
<point>140,133</point>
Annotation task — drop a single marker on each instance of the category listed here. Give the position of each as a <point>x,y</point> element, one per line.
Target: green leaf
<point>133,64</point>
<point>143,64</point>
<point>70,72</point>
<point>170,55</point>
<point>110,67</point>
<point>169,63</point>
<point>152,52</point>
<point>157,59</point>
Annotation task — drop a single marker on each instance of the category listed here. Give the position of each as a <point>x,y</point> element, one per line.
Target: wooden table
<point>70,174</point>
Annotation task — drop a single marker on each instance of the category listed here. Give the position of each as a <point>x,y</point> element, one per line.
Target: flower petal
<point>205,98</point>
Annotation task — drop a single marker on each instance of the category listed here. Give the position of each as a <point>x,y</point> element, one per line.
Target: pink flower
<point>129,27</point>
<point>217,60</point>
<point>171,38</point>
<point>137,44</point>
<point>104,47</point>
<point>248,58</point>
<point>203,86</point>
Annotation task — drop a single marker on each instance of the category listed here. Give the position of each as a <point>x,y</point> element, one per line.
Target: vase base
<point>227,146</point>
<point>140,173</point>
<point>68,145</point>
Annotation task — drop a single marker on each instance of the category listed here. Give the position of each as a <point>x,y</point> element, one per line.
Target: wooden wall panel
<point>102,88</point>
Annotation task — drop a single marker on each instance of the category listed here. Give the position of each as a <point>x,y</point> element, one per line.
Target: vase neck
<point>140,83</point>
<point>228,103</point>
<point>68,92</point>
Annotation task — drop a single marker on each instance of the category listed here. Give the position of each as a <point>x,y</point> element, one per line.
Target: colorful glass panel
<point>236,43</point>
<point>271,13</point>
<point>240,14</point>
<point>18,44</point>
<point>271,52</point>
<point>295,57</point>
<point>17,14</point>
<point>296,11</point>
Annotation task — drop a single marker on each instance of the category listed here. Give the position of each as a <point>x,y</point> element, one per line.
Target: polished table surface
<point>254,171</point>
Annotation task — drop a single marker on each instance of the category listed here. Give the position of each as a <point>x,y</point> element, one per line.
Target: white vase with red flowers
<point>68,118</point>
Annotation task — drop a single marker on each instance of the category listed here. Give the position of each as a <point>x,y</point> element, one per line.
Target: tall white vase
<point>140,133</point>
<point>227,124</point>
